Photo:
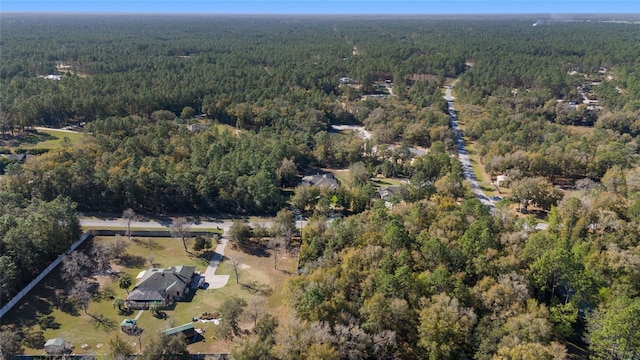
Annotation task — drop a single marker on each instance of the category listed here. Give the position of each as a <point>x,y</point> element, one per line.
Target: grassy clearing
<point>257,277</point>
<point>42,139</point>
<point>382,181</point>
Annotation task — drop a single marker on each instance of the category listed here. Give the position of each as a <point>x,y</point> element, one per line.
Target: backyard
<point>90,332</point>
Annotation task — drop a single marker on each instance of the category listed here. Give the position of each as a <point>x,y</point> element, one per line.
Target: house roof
<point>156,283</point>
<point>55,346</point>
<point>128,323</point>
<point>17,157</point>
<point>321,180</point>
<point>146,295</point>
<point>54,342</point>
<point>388,191</point>
<point>179,329</point>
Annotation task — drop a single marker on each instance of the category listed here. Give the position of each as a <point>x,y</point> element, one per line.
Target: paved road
<point>40,128</point>
<point>98,223</point>
<point>463,155</point>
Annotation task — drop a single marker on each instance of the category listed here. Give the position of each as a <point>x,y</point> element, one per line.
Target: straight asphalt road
<point>463,155</point>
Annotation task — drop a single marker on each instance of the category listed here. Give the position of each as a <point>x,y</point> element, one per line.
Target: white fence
<point>44,273</point>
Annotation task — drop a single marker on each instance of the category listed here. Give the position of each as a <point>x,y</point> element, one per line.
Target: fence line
<point>44,273</point>
<point>83,238</point>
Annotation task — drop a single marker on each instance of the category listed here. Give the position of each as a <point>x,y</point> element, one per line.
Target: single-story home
<point>161,286</point>
<point>321,180</point>
<point>390,193</point>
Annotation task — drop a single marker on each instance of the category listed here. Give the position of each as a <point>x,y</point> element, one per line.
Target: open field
<point>257,277</point>
<point>42,139</point>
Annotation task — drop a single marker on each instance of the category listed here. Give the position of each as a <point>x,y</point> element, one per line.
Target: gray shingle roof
<point>156,283</point>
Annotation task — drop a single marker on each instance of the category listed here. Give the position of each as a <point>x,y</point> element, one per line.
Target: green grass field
<point>257,278</point>
<point>42,139</point>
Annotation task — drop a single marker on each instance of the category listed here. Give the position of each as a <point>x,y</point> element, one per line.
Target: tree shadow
<point>207,254</point>
<point>131,261</point>
<point>161,315</point>
<point>32,138</point>
<point>151,244</point>
<point>256,288</point>
<point>102,322</point>
<point>125,311</point>
<point>255,249</point>
<point>48,322</point>
<point>68,307</point>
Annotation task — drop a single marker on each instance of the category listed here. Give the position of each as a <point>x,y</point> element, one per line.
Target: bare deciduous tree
<point>119,246</point>
<point>235,262</point>
<point>274,244</point>
<point>129,215</point>
<point>80,294</point>
<point>180,228</point>
<point>255,308</point>
<point>76,265</point>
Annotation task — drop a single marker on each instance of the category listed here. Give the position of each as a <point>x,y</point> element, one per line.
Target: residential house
<point>321,180</point>
<point>390,193</point>
<point>17,157</point>
<point>161,286</point>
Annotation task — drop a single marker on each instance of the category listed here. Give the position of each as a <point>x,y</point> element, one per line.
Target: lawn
<point>257,278</point>
<point>42,139</point>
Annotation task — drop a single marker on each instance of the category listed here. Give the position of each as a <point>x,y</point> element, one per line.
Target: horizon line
<point>25,12</point>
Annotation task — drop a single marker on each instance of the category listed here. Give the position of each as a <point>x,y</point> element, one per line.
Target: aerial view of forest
<point>430,187</point>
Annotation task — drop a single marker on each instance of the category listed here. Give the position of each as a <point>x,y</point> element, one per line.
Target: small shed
<point>55,346</point>
<point>128,326</point>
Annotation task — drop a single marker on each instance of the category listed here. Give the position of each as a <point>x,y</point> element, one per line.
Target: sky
<point>325,7</point>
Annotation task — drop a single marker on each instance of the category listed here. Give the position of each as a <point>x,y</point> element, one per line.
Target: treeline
<point>134,65</point>
<point>520,136</point>
<point>160,166</point>
<point>441,279</point>
<point>32,234</point>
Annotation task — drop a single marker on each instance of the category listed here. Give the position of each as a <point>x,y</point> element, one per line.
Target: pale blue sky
<point>325,7</point>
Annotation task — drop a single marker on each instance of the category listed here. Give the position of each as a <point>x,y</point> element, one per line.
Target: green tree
<point>444,326</point>
<point>154,308</point>
<point>284,226</point>
<point>201,243</point>
<point>9,342</point>
<point>230,312</point>
<point>187,113</point>
<point>240,233</point>
<point>119,349</point>
<point>613,330</point>
<point>251,348</point>
<point>124,282</point>
<point>119,303</point>
<point>165,347</point>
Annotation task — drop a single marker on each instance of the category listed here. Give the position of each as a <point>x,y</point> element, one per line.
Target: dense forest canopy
<point>435,276</point>
<point>134,65</point>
